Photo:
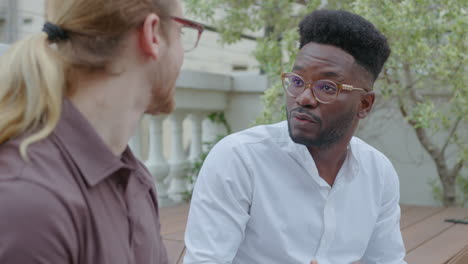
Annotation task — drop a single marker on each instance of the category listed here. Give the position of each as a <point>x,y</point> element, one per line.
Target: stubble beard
<point>332,135</point>
<point>162,102</point>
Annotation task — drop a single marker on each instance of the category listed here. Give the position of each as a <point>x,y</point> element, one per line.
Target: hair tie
<point>54,32</point>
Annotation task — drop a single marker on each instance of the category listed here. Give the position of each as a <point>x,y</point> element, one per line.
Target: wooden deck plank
<point>427,237</point>
<point>441,248</point>
<point>173,219</point>
<point>406,207</point>
<point>181,259</point>
<point>168,213</point>
<point>417,214</point>
<point>431,227</point>
<point>460,258</point>
<point>174,250</point>
<point>177,225</point>
<point>179,236</point>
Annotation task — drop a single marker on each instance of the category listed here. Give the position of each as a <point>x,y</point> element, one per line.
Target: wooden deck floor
<point>428,238</point>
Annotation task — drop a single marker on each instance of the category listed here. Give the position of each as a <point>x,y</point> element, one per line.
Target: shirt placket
<point>129,195</point>
<point>329,219</point>
<point>135,191</point>
<point>329,210</point>
<point>329,227</point>
<point>123,184</point>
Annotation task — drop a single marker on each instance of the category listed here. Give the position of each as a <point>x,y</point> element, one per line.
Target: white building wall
<point>212,57</point>
<point>22,17</point>
<point>25,17</point>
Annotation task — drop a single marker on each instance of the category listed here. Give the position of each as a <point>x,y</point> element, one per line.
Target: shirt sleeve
<point>35,227</point>
<point>220,207</point>
<point>386,244</point>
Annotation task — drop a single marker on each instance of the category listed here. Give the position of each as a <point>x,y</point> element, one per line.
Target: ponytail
<point>33,72</point>
<point>32,81</point>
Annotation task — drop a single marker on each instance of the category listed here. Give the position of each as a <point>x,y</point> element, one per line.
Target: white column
<point>135,143</point>
<point>211,131</point>
<point>156,163</point>
<point>12,21</point>
<point>196,137</point>
<point>178,162</point>
<point>195,145</point>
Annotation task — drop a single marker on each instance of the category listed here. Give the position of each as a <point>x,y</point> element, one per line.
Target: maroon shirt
<point>75,202</point>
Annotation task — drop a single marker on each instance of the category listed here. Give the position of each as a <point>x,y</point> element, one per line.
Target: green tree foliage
<point>425,75</point>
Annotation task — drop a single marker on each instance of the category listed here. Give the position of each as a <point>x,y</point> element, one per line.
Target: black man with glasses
<point>306,188</point>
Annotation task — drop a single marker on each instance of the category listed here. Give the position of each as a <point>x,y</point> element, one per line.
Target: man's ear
<point>150,36</point>
<point>365,106</point>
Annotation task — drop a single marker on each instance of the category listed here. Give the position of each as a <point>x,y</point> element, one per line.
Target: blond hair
<point>34,72</point>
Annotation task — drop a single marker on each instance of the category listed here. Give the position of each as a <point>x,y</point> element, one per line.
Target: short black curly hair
<point>349,32</point>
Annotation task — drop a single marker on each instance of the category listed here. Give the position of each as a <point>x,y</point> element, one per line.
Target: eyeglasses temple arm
<point>350,88</point>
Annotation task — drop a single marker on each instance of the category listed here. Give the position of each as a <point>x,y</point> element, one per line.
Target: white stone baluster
<point>135,143</point>
<point>156,163</point>
<point>178,161</point>
<point>196,119</point>
<point>211,132</point>
<point>196,137</point>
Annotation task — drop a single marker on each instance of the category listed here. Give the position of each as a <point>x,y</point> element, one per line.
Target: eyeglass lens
<point>189,38</point>
<point>324,90</point>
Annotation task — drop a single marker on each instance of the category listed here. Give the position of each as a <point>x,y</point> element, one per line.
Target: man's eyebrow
<point>327,74</point>
<point>331,74</point>
<point>297,68</point>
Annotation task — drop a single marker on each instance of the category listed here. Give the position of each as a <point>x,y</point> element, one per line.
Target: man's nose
<point>307,98</point>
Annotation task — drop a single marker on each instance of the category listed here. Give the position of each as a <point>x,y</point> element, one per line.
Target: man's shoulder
<point>375,168</point>
<point>268,135</point>
<point>366,153</point>
<point>43,159</point>
<point>36,222</point>
<point>44,170</point>
<point>38,155</point>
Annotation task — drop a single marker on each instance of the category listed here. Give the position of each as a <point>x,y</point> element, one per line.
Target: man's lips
<point>304,118</point>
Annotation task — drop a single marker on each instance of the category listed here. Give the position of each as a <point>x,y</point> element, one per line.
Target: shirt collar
<point>89,152</point>
<point>301,154</point>
<point>353,158</point>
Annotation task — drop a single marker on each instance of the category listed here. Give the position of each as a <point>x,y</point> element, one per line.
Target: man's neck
<point>330,160</point>
<point>113,106</point>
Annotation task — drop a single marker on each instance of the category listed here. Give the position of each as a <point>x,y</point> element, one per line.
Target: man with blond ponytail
<point>71,191</point>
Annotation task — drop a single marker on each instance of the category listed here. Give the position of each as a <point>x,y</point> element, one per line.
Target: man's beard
<point>162,103</point>
<point>163,92</point>
<point>328,137</point>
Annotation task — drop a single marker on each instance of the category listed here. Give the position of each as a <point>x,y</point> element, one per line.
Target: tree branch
<point>421,133</point>
<point>427,144</point>
<point>408,86</point>
<point>456,169</point>
<point>430,147</point>
<point>403,111</point>
<point>452,131</point>
<point>409,82</point>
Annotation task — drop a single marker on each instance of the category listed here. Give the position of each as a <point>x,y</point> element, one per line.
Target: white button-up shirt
<point>260,200</point>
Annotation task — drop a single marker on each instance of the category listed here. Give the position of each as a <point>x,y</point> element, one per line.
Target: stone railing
<point>170,144</point>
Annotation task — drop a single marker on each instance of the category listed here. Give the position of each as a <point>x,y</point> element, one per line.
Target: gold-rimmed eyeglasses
<point>325,91</point>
